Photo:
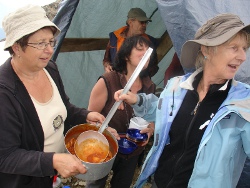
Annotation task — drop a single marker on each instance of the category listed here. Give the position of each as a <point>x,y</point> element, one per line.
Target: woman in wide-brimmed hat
<point>34,110</point>
<point>202,120</point>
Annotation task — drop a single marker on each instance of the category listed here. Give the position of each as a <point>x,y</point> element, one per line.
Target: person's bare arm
<point>98,99</point>
<point>98,96</point>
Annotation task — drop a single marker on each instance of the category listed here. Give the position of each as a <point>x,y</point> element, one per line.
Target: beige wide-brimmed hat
<point>24,21</point>
<point>214,32</point>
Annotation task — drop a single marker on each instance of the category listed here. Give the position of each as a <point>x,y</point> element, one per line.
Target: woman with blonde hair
<point>202,120</point>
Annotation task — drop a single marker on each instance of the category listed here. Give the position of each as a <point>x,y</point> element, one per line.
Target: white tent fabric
<point>4,55</point>
<point>96,19</point>
<point>181,18</point>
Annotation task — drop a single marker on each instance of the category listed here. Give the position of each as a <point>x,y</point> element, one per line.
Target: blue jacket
<point>224,145</point>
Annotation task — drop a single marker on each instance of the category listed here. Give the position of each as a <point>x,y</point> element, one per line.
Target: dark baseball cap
<point>138,14</point>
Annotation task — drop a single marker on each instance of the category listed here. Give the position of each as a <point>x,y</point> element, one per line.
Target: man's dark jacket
<point>111,50</point>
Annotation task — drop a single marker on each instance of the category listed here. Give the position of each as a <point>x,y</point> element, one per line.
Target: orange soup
<point>92,150</point>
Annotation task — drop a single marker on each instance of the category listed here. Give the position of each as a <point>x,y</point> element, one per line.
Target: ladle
<point>126,88</point>
<point>98,134</point>
<point>91,149</point>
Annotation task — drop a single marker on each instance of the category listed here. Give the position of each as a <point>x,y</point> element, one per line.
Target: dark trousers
<point>244,181</point>
<point>154,185</point>
<point>123,173</point>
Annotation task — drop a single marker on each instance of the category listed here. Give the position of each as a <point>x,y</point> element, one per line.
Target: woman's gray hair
<point>200,59</point>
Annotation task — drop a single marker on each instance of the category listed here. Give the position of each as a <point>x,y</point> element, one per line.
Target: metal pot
<point>95,170</point>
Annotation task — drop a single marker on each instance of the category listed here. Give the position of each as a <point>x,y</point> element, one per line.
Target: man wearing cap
<point>136,24</point>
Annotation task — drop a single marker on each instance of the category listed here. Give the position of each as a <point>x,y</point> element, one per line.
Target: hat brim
<point>28,29</point>
<point>191,48</point>
<point>143,19</point>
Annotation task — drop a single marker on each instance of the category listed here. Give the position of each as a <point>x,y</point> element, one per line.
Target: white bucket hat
<point>214,32</point>
<point>24,21</point>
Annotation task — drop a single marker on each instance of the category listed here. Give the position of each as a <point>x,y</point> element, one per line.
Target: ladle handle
<point>126,88</point>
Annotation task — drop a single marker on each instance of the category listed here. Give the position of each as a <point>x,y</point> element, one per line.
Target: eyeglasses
<point>144,22</point>
<point>141,22</point>
<point>42,45</point>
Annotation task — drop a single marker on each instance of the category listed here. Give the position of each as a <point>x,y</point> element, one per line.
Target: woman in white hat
<point>34,110</point>
<point>202,128</point>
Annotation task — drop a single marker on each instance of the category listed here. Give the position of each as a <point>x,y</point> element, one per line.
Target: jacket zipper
<point>196,108</point>
<point>186,138</point>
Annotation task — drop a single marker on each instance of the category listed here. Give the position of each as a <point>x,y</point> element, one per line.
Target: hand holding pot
<point>68,165</point>
<point>113,132</point>
<point>95,117</point>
